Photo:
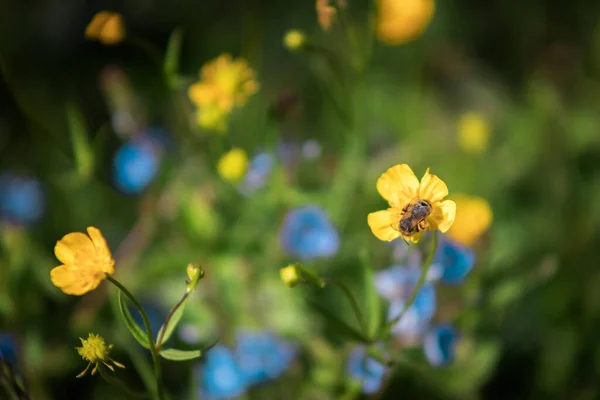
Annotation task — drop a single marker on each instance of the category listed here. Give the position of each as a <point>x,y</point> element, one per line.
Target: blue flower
<point>417,318</point>
<point>21,199</point>
<point>258,173</point>
<point>8,349</point>
<point>136,163</point>
<point>439,345</point>
<point>221,377</point>
<point>307,233</point>
<point>366,370</point>
<point>454,260</point>
<point>262,356</point>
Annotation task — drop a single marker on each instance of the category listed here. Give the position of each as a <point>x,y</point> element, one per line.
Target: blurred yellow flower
<point>290,275</point>
<point>473,218</point>
<point>94,351</point>
<point>224,84</point>
<point>399,21</point>
<point>294,39</point>
<point>86,261</point>
<point>414,207</point>
<point>233,165</point>
<point>325,14</point>
<point>107,27</point>
<point>473,132</point>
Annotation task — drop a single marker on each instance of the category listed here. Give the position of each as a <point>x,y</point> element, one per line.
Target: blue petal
<point>8,349</point>
<point>456,261</point>
<point>221,376</point>
<point>21,199</point>
<point>366,370</point>
<point>439,345</point>
<point>135,166</point>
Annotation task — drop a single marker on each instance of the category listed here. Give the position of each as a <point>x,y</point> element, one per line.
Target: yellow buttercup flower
<point>399,21</point>
<point>473,218</point>
<point>86,262</point>
<point>95,351</point>
<point>107,27</point>
<point>294,39</point>
<point>414,207</point>
<point>233,165</point>
<point>473,132</point>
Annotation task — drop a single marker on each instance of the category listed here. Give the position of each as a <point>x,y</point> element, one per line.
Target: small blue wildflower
<point>258,173</point>
<point>21,199</point>
<point>307,233</point>
<point>136,163</point>
<point>417,318</point>
<point>454,261</point>
<point>262,356</point>
<point>220,376</point>
<point>439,345</point>
<point>368,371</point>
<point>8,349</point>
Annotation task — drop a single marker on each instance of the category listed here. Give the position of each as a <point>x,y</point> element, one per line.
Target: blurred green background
<point>332,115</point>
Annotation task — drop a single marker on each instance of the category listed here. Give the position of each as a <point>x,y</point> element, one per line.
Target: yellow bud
<point>233,165</point>
<point>290,275</point>
<point>294,39</point>
<point>195,273</point>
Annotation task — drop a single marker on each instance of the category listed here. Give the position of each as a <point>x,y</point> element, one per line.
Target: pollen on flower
<point>95,351</point>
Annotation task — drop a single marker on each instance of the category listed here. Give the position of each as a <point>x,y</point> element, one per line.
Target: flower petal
<point>70,244</point>
<point>432,188</point>
<point>442,216</point>
<point>74,281</point>
<point>398,185</point>
<point>103,255</point>
<point>382,222</point>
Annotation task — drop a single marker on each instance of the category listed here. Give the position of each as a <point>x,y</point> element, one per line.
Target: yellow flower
<point>294,39</point>
<point>473,218</point>
<point>401,188</point>
<point>211,116</point>
<point>86,261</point>
<point>290,275</point>
<point>473,133</point>
<point>325,14</point>
<point>399,21</point>
<point>95,351</point>
<point>107,27</point>
<point>233,165</point>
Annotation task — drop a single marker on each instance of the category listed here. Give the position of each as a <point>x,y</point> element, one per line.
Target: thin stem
<point>118,382</point>
<point>153,349</point>
<point>161,332</point>
<point>353,304</point>
<point>418,286</point>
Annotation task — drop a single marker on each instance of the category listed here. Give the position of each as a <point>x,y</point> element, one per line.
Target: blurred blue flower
<point>258,173</point>
<point>221,376</point>
<point>262,356</point>
<point>21,199</point>
<point>8,349</point>
<point>155,312</point>
<point>366,370</point>
<point>453,260</point>
<point>439,345</point>
<point>288,153</point>
<point>307,233</point>
<point>417,318</point>
<point>136,163</point>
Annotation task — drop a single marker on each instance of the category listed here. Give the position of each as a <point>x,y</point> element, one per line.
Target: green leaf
<point>172,324</point>
<point>180,355</point>
<point>341,325</point>
<point>138,333</point>
<point>172,54</point>
<point>84,157</point>
<point>373,301</point>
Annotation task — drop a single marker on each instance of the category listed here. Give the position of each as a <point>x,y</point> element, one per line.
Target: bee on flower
<point>415,207</point>
<point>95,351</point>
<point>224,84</point>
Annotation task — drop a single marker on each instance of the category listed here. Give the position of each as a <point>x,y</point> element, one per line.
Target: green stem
<point>418,286</point>
<point>162,331</point>
<point>353,304</point>
<point>153,348</point>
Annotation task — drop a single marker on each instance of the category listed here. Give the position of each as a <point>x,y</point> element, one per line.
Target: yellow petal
<point>442,216</point>
<point>70,244</point>
<point>94,28</point>
<point>398,185</point>
<point>473,218</point>
<point>103,255</point>
<point>432,188</point>
<point>414,238</point>
<point>75,281</point>
<point>382,223</point>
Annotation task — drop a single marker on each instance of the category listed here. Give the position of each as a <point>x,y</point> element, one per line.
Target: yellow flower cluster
<point>224,84</point>
<point>95,351</point>
<point>86,262</point>
<point>400,21</point>
<point>107,27</point>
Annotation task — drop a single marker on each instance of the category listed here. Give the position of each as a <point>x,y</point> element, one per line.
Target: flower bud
<point>195,273</point>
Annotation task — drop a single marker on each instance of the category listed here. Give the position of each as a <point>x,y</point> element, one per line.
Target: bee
<point>413,217</point>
